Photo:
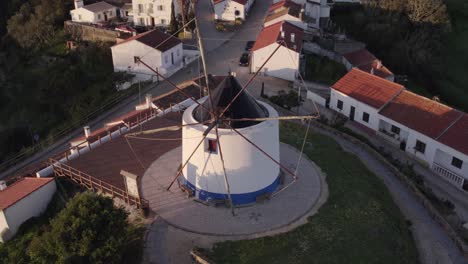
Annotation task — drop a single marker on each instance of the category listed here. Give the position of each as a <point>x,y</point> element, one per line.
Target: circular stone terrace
<point>287,208</point>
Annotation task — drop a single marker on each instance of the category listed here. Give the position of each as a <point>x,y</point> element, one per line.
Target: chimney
<point>378,64</point>
<point>134,33</point>
<point>3,185</point>
<point>372,70</point>
<point>149,100</point>
<point>78,4</point>
<point>87,131</point>
<point>293,37</point>
<point>282,33</point>
<point>436,98</point>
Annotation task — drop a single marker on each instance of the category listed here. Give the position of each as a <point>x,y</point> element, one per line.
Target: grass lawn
<point>358,224</point>
<point>323,70</point>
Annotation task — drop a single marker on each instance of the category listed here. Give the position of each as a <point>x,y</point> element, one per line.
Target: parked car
<point>249,45</point>
<point>245,59</point>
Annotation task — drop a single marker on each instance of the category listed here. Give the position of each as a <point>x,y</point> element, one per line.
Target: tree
<point>174,25</point>
<point>89,230</point>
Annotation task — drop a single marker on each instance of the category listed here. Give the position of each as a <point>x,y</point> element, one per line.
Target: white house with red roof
<point>230,10</point>
<point>162,52</point>
<point>285,10</point>
<point>431,132</point>
<point>284,63</point>
<point>367,62</point>
<point>93,13</point>
<point>26,198</point>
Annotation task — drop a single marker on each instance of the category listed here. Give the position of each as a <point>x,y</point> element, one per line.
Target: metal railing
<point>448,174</point>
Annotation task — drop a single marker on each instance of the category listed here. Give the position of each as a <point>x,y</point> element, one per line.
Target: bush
<point>89,230</point>
<point>220,27</point>
<point>286,100</point>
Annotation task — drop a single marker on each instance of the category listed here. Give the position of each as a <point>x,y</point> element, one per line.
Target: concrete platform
<point>284,209</point>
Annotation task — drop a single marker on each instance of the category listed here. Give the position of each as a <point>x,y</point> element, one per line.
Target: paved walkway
<point>434,245</point>
<point>441,187</point>
<point>182,223</point>
<point>282,210</point>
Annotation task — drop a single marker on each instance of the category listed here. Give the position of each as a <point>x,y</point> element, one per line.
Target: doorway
<point>172,58</point>
<point>105,16</point>
<point>152,22</point>
<point>351,113</point>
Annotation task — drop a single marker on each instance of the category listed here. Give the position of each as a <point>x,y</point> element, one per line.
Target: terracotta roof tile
<point>456,136</point>
<point>282,8</point>
<point>155,38</point>
<point>420,114</point>
<point>367,88</point>
<point>360,57</point>
<point>272,34</point>
<point>20,189</point>
<point>99,6</point>
<point>377,69</point>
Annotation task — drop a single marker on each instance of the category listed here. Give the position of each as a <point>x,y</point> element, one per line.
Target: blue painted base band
<point>237,199</point>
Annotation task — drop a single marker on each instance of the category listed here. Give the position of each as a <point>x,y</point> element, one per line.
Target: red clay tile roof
<point>282,8</point>
<point>367,88</point>
<point>360,57</point>
<point>20,189</point>
<point>456,136</point>
<point>98,7</point>
<point>377,68</point>
<point>272,34</point>
<point>421,114</point>
<point>155,39</point>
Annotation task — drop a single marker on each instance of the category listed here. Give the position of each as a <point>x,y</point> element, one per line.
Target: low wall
<point>89,32</point>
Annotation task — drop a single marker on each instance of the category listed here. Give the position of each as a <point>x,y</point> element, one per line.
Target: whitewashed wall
<point>150,10</point>
<point>360,109</point>
<point>90,17</point>
<point>248,170</point>
<point>284,64</point>
<point>123,57</point>
<point>316,98</point>
<point>226,11</point>
<point>32,205</point>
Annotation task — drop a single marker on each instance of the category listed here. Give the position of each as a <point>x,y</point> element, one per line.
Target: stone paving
<point>282,210</point>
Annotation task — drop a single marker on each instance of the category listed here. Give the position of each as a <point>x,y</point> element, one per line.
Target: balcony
<point>448,174</point>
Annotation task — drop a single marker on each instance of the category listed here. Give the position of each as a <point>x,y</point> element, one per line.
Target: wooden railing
<point>448,174</point>
<point>94,184</point>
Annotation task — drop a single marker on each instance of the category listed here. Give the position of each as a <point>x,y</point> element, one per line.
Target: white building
<point>431,132</point>
<point>249,172</point>
<point>285,62</point>
<point>154,13</point>
<point>93,13</point>
<point>230,10</point>
<point>317,12</point>
<point>159,50</point>
<point>26,198</point>
<point>285,11</point>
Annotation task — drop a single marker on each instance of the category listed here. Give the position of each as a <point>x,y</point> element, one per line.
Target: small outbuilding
<point>162,52</point>
<point>26,198</point>
<point>94,13</point>
<point>230,10</point>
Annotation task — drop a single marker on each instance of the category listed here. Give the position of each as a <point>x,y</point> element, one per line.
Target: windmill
<point>230,147</point>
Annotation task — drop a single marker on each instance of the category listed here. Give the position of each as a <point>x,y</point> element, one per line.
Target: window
<point>99,16</point>
<point>458,163</point>
<point>166,59</point>
<point>339,104</point>
<point>420,146</point>
<point>178,53</point>
<point>140,8</point>
<point>163,21</point>
<point>212,146</point>
<point>110,13</point>
<point>160,7</point>
<point>142,21</point>
<point>365,117</point>
<point>79,17</point>
<point>395,130</point>
<point>136,59</point>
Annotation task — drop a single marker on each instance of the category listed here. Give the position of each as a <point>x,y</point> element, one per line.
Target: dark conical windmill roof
<point>245,106</point>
